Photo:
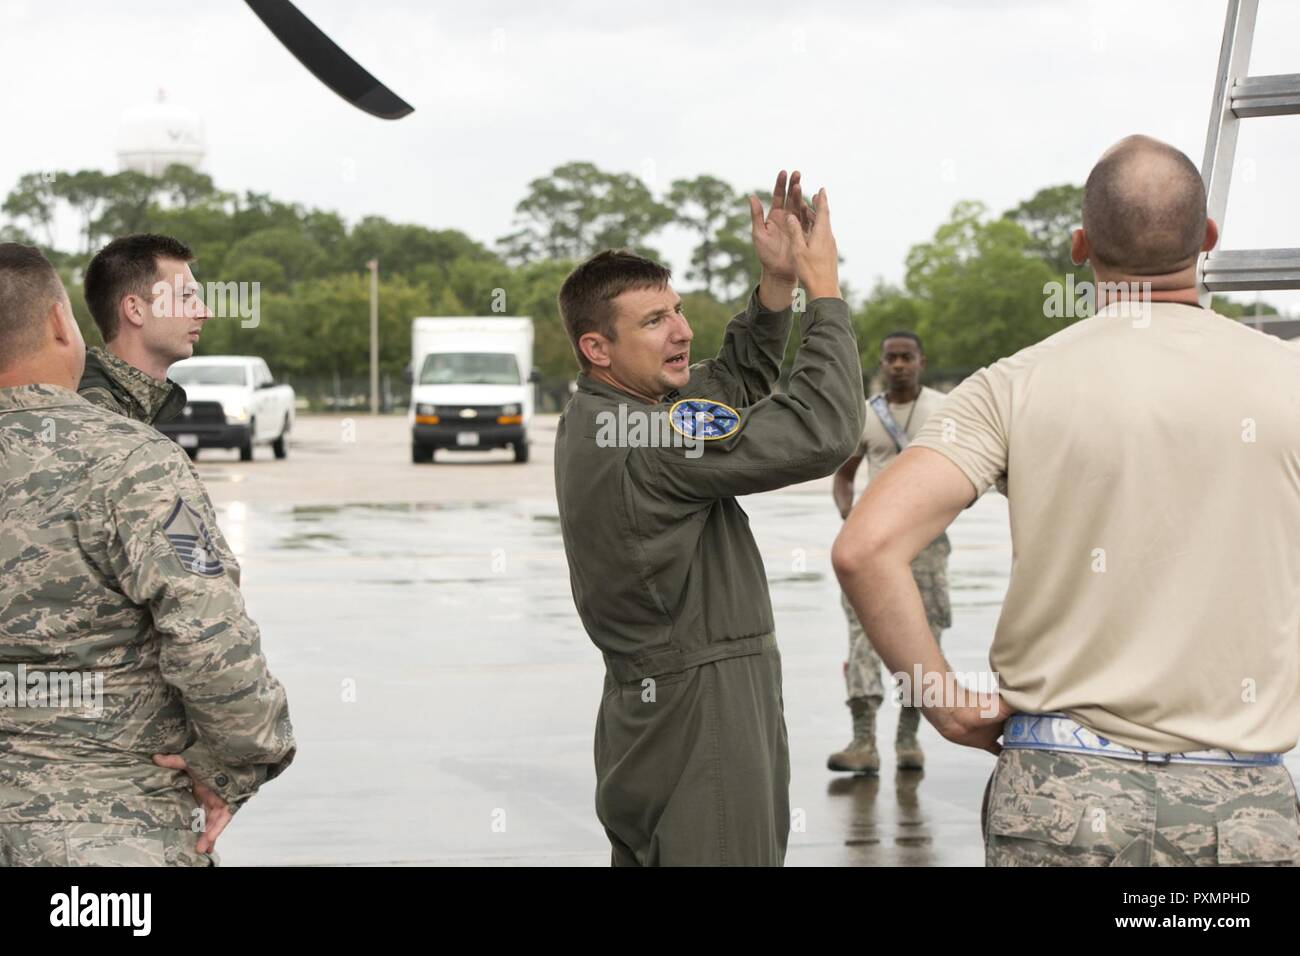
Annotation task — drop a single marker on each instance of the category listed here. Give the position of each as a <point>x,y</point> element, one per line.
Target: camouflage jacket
<point>114,570</point>
<point>121,387</point>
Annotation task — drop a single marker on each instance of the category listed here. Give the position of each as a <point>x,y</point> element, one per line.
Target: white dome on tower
<point>153,137</point>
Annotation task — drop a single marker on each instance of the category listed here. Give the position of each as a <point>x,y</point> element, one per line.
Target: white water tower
<point>154,136</point>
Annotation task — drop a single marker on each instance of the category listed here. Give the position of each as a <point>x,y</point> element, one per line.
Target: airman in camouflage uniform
<point>115,571</point>
<point>1052,808</point>
<point>901,361</point>
<point>862,672</point>
<point>149,310</point>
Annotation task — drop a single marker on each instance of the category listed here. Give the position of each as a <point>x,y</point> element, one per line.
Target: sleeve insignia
<point>190,540</point>
<point>701,419</point>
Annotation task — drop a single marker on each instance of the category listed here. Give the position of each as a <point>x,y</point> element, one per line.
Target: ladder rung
<point>1243,270</point>
<point>1267,95</point>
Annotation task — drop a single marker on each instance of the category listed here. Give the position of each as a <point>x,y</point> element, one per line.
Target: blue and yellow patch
<point>703,420</point>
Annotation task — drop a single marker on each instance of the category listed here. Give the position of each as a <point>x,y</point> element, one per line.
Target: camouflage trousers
<point>1052,808</point>
<point>98,844</point>
<point>930,571</point>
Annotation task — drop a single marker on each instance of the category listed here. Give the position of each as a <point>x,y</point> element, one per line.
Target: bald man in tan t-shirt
<point>1148,650</point>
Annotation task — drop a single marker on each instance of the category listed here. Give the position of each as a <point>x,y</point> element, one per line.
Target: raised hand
<point>771,239</point>
<point>816,258</point>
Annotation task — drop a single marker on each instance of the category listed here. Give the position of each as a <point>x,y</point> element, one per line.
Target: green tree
<point>578,210</point>
<point>719,217</point>
<point>981,291</point>
<point>1050,217</point>
<point>322,328</point>
<point>254,212</point>
<point>33,200</point>
<point>532,292</point>
<point>1241,310</point>
<point>128,205</point>
<point>402,248</point>
<point>183,186</point>
<point>86,192</point>
<point>298,257</point>
<point>484,286</point>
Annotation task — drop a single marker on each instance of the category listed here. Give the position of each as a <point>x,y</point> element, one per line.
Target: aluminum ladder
<point>1237,96</point>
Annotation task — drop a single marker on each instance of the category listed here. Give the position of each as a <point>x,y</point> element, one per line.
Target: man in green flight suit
<point>692,760</point>
<point>149,311</point>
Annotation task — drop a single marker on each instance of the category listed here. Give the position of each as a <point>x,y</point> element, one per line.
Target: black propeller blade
<point>314,50</point>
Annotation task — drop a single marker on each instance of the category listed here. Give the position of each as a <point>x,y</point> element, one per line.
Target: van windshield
<point>470,368</point>
<point>208,375</point>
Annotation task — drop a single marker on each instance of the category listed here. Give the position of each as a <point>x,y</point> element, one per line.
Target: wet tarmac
<point>444,693</point>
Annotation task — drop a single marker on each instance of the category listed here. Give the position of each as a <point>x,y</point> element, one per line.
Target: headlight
<point>509,409</point>
<point>235,413</point>
<point>426,409</point>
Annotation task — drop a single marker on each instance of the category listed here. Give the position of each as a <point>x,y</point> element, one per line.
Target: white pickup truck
<point>233,403</point>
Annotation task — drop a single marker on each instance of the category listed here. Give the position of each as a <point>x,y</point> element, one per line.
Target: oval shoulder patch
<point>704,420</point>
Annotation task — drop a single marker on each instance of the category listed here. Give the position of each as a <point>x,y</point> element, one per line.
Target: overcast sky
<point>898,112</point>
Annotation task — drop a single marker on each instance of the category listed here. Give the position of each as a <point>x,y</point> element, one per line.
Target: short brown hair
<point>588,294</point>
<point>29,285</point>
<point>1144,208</point>
<point>127,265</point>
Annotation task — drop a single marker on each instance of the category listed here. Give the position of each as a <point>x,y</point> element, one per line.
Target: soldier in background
<point>893,417</point>
<point>148,308</point>
<point>116,575</point>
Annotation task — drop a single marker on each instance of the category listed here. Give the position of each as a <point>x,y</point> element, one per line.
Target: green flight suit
<point>692,760</point>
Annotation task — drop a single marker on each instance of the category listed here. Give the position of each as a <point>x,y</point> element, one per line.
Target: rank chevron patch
<point>190,540</point>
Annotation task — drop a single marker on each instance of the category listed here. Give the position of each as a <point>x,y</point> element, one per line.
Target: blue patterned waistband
<point>1059,732</point>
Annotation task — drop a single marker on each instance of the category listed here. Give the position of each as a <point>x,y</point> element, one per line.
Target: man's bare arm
<point>904,508</point>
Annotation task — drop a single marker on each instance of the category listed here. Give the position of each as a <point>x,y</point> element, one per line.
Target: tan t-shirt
<point>1153,475</point>
<point>877,447</point>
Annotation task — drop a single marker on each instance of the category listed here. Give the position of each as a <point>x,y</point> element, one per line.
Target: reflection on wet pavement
<point>444,692</point>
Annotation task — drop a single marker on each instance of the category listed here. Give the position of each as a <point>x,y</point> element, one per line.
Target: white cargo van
<point>472,385</point>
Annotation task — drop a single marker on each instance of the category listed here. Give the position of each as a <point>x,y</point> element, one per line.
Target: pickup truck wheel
<point>278,445</point>
<point>246,449</point>
<point>421,454</point>
<point>521,451</point>
<point>193,453</point>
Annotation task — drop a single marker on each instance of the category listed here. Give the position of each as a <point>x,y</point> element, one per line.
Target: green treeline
<point>974,292</point>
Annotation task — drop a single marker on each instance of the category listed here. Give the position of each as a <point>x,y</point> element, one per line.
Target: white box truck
<point>472,385</point>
